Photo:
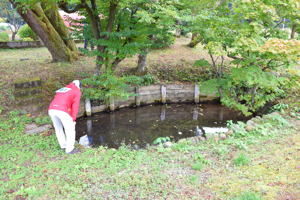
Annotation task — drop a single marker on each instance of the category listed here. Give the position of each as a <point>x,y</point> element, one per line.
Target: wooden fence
<point>151,95</point>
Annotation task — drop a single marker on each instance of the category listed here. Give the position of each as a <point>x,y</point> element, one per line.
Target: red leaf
<point>271,184</point>
<point>45,170</point>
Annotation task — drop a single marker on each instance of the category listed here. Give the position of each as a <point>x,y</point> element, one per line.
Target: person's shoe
<point>73,151</point>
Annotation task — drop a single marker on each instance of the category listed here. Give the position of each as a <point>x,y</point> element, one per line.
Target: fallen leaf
<point>270,184</point>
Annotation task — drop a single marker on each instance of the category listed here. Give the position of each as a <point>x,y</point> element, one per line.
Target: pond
<point>140,126</point>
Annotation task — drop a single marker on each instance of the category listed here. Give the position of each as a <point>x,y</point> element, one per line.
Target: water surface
<point>141,126</point>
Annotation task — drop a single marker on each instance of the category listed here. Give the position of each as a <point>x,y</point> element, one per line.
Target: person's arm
<point>75,106</point>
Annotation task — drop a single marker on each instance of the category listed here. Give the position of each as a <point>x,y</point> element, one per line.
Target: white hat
<point>77,83</point>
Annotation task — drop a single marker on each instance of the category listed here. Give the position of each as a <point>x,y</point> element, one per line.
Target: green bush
<point>163,40</point>
<point>4,37</point>
<point>26,32</point>
<point>3,28</point>
<point>27,39</point>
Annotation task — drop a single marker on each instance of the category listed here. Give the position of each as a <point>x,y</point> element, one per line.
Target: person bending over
<point>63,111</point>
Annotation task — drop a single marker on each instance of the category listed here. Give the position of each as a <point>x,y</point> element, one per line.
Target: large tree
<point>14,20</point>
<point>45,20</point>
<point>157,18</point>
<point>189,11</point>
<point>120,28</point>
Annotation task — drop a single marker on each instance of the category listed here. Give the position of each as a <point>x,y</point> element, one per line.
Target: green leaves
<point>244,31</point>
<point>109,86</point>
<point>161,140</point>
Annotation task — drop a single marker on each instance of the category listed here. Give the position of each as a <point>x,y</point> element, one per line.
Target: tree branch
<point>111,18</point>
<point>234,57</point>
<point>63,5</point>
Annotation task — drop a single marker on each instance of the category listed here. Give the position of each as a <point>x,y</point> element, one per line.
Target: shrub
<point>163,40</point>
<point>4,37</point>
<point>26,32</point>
<point>27,39</point>
<point>3,28</point>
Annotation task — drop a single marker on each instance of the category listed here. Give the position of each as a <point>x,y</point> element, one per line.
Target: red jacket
<point>67,99</point>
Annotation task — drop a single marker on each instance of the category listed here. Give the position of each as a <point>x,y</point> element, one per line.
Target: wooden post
<point>137,98</point>
<point>88,107</point>
<point>112,104</point>
<point>197,93</point>
<point>163,94</point>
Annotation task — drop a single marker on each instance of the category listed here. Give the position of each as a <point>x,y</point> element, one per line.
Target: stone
<point>258,117</point>
<point>209,136</point>
<point>196,139</point>
<point>236,128</point>
<point>249,128</point>
<point>31,126</point>
<point>39,129</point>
<point>182,141</point>
<point>217,136</point>
<point>168,144</point>
<point>136,147</point>
<point>250,122</point>
<point>265,117</point>
<point>223,136</point>
<point>275,113</point>
<point>192,140</point>
<point>229,132</point>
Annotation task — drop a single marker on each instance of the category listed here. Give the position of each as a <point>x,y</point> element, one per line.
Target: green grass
<point>248,196</point>
<point>241,160</point>
<point>34,166</point>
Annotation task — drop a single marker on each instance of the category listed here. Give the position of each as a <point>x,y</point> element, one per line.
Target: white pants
<point>62,120</point>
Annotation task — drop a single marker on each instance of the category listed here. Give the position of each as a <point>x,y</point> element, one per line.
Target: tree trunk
<point>42,26</point>
<point>59,25</point>
<point>13,36</point>
<point>142,62</point>
<point>293,31</point>
<point>178,31</point>
<point>194,40</point>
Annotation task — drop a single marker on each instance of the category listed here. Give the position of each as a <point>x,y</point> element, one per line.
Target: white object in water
<point>84,140</point>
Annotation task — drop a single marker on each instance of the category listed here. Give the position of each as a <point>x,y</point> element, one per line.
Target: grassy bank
<point>262,164</point>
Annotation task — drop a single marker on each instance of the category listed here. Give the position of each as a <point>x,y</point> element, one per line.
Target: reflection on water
<point>139,126</point>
